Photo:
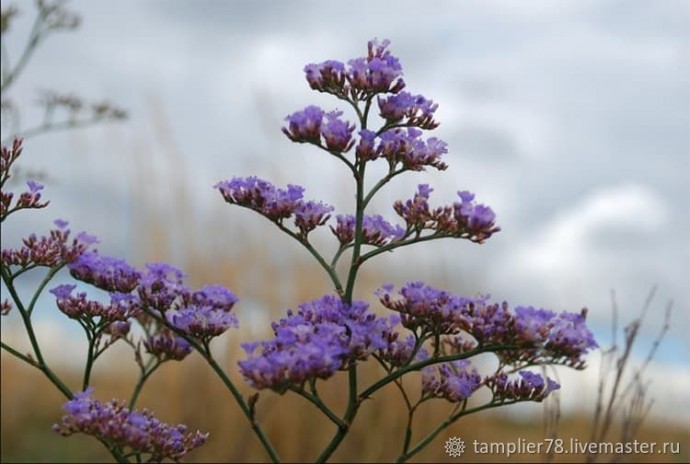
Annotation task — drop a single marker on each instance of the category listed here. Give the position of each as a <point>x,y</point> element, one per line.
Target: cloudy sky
<point>571,119</point>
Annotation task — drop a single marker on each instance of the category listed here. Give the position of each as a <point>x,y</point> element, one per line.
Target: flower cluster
<point>536,333</point>
<point>165,344</point>
<point>401,352</point>
<point>566,333</point>
<point>463,219</point>
<point>426,309</point>
<point>308,126</point>
<point>322,337</point>
<point>53,250</point>
<point>408,110</point>
<point>398,141</point>
<point>204,313</point>
<point>122,307</point>
<point>375,230</point>
<point>529,386</point>
<point>274,203</point>
<point>402,147</point>
<point>104,272</point>
<point>130,431</point>
<point>454,381</point>
<point>378,72</point>
<point>156,297</point>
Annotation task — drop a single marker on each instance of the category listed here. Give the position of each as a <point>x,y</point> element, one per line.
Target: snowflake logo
<point>455,447</point>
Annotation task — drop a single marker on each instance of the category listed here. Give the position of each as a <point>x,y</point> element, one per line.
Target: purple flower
<point>63,292</point>
<point>104,272</point>
<point>455,381</point>
<point>138,432</point>
<point>309,215</point>
<point>261,196</point>
<point>274,203</point>
<point>430,310</point>
<point>53,250</point>
<point>166,345</point>
<point>322,337</point>
<point>375,230</point>
<point>366,148</point>
<point>399,352</point>
<point>305,125</point>
<point>416,211</point>
<point>479,219</point>
<point>160,285</point>
<point>60,223</point>
<point>533,325</point>
<point>569,335</point>
<point>34,187</point>
<point>205,313</point>
<point>417,110</point>
<point>379,72</point>
<point>121,308</point>
<point>328,77</point>
<point>337,133</point>
<point>463,219</point>
<point>405,147</point>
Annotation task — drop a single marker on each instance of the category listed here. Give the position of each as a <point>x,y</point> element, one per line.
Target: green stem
<point>39,363</point>
<point>352,407</point>
<point>394,245</point>
<point>356,249</point>
<point>441,427</point>
<point>330,270</point>
<point>49,276</point>
<point>337,255</point>
<point>316,401</point>
<point>387,178</point>
<point>90,359</point>
<point>243,406</point>
<point>143,377</point>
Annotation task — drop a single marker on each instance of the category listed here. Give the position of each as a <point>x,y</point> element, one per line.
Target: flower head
<point>463,219</point>
<point>305,125</point>
<point>378,72</point>
<point>375,230</point>
<point>204,313</point>
<point>323,336</point>
<point>455,381</point>
<point>428,309</point>
<point>411,110</point>
<point>52,250</point>
<point>104,272</point>
<point>274,203</point>
<point>311,214</point>
<point>117,425</point>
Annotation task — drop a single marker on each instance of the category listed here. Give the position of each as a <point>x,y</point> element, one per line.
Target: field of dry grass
<point>189,393</point>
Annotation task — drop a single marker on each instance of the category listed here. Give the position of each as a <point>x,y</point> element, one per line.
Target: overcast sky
<point>571,119</point>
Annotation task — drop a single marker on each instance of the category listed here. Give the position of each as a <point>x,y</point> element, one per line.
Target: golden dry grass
<point>188,392</point>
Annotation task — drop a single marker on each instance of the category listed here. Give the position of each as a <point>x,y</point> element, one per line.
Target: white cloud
<point>566,245</point>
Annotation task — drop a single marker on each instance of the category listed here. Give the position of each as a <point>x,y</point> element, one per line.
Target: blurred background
<point>571,119</point>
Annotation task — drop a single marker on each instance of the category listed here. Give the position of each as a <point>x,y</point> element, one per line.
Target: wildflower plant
<point>427,330</point>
